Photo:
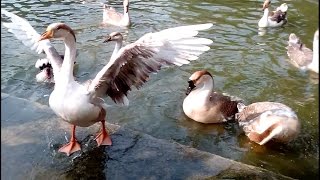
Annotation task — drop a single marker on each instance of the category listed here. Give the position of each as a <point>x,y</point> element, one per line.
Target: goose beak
<point>46,35</point>
<point>108,39</point>
<point>190,87</point>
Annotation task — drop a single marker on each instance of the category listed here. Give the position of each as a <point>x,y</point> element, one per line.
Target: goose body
<point>82,104</point>
<point>275,18</point>
<point>301,56</point>
<point>265,121</point>
<point>111,16</point>
<point>203,104</point>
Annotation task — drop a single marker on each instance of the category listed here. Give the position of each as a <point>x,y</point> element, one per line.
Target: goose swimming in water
<point>301,56</point>
<point>265,121</point>
<point>82,104</point>
<point>203,104</point>
<point>111,16</point>
<point>22,30</point>
<point>275,18</point>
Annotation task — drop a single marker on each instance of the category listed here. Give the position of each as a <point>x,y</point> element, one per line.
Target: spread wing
<point>23,31</point>
<point>134,62</point>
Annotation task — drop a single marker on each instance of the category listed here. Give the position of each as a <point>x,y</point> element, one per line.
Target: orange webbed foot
<point>71,147</point>
<point>103,138</point>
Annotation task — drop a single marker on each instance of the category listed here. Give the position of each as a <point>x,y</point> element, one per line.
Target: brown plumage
<point>265,121</point>
<point>205,105</point>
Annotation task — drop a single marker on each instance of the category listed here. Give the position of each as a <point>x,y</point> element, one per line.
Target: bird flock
<point>82,103</point>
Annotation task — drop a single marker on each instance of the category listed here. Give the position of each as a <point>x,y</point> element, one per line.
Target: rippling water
<point>243,63</point>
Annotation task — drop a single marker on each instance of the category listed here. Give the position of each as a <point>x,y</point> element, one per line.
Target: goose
<point>276,18</point>
<point>82,104</point>
<point>265,121</point>
<point>203,104</point>
<point>23,31</point>
<point>301,56</point>
<point>111,16</point>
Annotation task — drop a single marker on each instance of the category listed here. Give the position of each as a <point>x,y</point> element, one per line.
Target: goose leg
<point>73,145</point>
<point>103,137</point>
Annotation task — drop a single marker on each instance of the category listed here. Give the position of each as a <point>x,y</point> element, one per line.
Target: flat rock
<point>31,134</point>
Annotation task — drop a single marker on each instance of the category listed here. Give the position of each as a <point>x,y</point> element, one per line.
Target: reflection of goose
<point>263,121</point>
<point>301,56</point>
<point>204,105</point>
<point>23,31</point>
<point>82,104</point>
<point>274,19</point>
<point>111,16</point>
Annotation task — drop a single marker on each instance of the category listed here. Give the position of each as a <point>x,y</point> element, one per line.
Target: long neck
<point>315,58</point>
<point>266,13</point>
<point>116,49</point>
<point>69,58</point>
<point>204,89</point>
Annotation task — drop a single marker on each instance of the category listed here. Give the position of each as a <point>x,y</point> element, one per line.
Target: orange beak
<point>46,35</point>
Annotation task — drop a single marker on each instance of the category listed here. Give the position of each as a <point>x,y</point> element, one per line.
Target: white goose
<point>111,16</point>
<point>275,18</point>
<point>23,31</point>
<point>82,104</point>
<point>265,121</point>
<point>301,56</point>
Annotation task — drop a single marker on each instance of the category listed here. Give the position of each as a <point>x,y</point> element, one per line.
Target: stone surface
<point>31,135</point>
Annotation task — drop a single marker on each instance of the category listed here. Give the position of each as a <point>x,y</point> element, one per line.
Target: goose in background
<point>23,31</point>
<point>82,104</point>
<point>205,105</point>
<point>265,121</point>
<point>111,16</point>
<point>275,18</point>
<point>301,56</point>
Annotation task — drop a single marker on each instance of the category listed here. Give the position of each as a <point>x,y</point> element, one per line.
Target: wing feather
<point>134,63</point>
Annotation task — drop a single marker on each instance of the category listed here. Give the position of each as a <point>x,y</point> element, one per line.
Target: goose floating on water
<point>203,104</point>
<point>82,104</point>
<point>265,121</point>
<point>275,18</point>
<point>301,56</point>
<point>23,31</point>
<point>111,16</point>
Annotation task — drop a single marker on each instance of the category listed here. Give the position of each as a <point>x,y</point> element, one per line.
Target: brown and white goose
<point>301,56</point>
<point>111,16</point>
<point>265,121</point>
<point>275,18</point>
<point>203,104</point>
<point>82,104</point>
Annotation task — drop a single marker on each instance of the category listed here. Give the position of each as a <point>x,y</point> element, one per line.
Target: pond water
<point>243,63</point>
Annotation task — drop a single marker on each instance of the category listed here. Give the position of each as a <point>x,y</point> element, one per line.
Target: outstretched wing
<point>23,31</point>
<point>134,62</point>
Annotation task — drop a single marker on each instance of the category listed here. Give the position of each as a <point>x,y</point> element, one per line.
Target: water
<point>243,63</point>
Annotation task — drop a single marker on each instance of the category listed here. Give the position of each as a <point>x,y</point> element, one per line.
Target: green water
<point>244,64</point>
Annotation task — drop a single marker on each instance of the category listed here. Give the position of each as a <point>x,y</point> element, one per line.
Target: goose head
<point>126,6</point>
<point>266,4</point>
<point>57,31</point>
<point>294,39</point>
<point>114,36</point>
<point>198,79</point>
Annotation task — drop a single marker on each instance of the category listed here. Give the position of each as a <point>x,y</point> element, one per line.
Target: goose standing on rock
<point>82,104</point>
<point>301,56</point>
<point>111,16</point>
<point>204,105</point>
<point>275,18</point>
<point>264,121</point>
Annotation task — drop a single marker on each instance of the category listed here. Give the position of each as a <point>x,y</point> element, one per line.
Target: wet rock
<point>31,135</point>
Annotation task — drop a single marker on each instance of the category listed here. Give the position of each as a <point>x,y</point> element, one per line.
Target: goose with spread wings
<point>129,66</point>
<point>275,18</point>
<point>23,31</point>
